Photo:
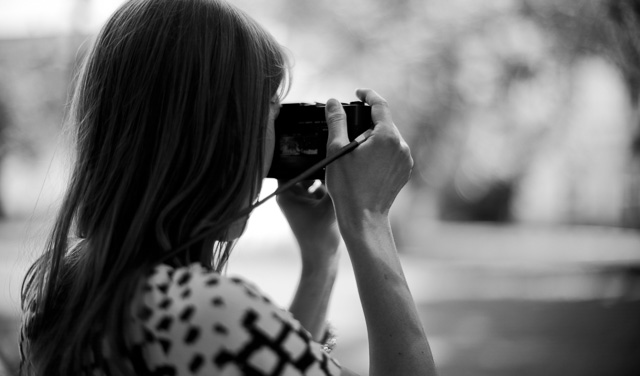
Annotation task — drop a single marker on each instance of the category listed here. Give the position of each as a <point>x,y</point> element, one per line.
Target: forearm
<point>397,343</point>
<point>311,300</point>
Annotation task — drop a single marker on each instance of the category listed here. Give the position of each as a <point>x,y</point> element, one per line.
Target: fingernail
<point>332,104</point>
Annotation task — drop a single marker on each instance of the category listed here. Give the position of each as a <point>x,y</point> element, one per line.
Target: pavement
<point>494,300</point>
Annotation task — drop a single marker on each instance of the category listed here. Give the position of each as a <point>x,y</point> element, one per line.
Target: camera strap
<point>245,212</point>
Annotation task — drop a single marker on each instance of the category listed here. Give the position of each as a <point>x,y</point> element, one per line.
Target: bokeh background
<point>519,230</point>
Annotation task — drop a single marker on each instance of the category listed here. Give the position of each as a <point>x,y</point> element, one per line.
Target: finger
<point>304,183</point>
<point>320,192</point>
<point>380,112</point>
<point>337,125</point>
<point>299,193</point>
<point>315,184</point>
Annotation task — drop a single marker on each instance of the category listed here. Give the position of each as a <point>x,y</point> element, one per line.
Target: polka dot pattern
<point>193,321</point>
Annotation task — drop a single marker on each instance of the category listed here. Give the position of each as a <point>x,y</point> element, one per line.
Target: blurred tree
<point>501,65</point>
<point>36,74</point>
<point>449,69</point>
<point>609,29</point>
<point>477,88</point>
<point>624,28</point>
<point>4,145</point>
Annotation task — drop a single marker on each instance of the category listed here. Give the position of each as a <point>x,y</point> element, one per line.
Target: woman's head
<point>172,107</point>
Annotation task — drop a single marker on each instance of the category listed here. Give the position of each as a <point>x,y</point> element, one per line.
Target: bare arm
<point>313,222</point>
<point>311,300</point>
<point>397,342</point>
<point>363,185</point>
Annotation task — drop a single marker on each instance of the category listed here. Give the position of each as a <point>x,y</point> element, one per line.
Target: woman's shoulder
<point>179,288</point>
<point>196,320</point>
<point>197,293</point>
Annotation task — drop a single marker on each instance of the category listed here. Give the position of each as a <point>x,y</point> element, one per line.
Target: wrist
<point>320,268</point>
<point>327,246</point>
<point>354,223</point>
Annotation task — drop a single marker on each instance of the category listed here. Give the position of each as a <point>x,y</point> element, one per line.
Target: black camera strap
<point>245,212</point>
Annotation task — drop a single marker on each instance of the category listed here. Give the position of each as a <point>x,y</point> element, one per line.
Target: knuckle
<point>336,117</point>
<point>388,137</point>
<point>406,150</point>
<point>397,142</point>
<point>411,165</point>
<point>333,147</point>
<point>409,157</point>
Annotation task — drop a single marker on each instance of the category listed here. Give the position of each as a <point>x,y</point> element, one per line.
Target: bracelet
<point>330,338</point>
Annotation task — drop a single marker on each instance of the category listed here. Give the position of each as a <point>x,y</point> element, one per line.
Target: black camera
<point>301,136</point>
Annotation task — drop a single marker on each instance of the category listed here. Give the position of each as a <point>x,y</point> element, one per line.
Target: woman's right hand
<point>363,185</point>
<point>369,178</point>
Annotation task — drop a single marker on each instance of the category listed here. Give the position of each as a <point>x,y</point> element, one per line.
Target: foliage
<point>479,89</point>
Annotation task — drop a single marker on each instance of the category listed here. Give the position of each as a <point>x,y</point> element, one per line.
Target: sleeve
<point>197,322</point>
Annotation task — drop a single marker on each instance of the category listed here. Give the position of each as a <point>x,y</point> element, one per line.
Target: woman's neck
<point>201,253</point>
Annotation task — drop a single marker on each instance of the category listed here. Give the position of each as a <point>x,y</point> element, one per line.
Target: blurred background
<point>520,228</point>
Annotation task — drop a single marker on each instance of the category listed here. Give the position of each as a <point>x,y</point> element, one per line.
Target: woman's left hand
<point>313,222</point>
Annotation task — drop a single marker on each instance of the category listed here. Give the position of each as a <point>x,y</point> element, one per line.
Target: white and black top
<point>194,321</point>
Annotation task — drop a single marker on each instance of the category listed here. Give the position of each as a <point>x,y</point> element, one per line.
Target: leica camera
<point>301,134</point>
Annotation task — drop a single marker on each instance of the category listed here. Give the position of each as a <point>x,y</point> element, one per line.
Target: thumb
<point>337,125</point>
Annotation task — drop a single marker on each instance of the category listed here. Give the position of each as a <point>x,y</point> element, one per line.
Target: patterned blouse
<point>194,321</point>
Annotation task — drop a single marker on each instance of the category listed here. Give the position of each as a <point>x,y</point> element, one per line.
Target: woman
<point>174,109</point>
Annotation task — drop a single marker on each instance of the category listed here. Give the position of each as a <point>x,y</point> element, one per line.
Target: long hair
<point>170,106</point>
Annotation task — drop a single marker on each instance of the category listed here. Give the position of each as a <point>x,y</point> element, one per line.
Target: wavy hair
<point>170,107</point>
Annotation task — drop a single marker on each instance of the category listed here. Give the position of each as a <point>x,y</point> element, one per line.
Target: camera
<point>301,134</point>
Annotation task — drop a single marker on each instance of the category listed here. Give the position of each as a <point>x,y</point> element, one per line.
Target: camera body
<point>301,135</point>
